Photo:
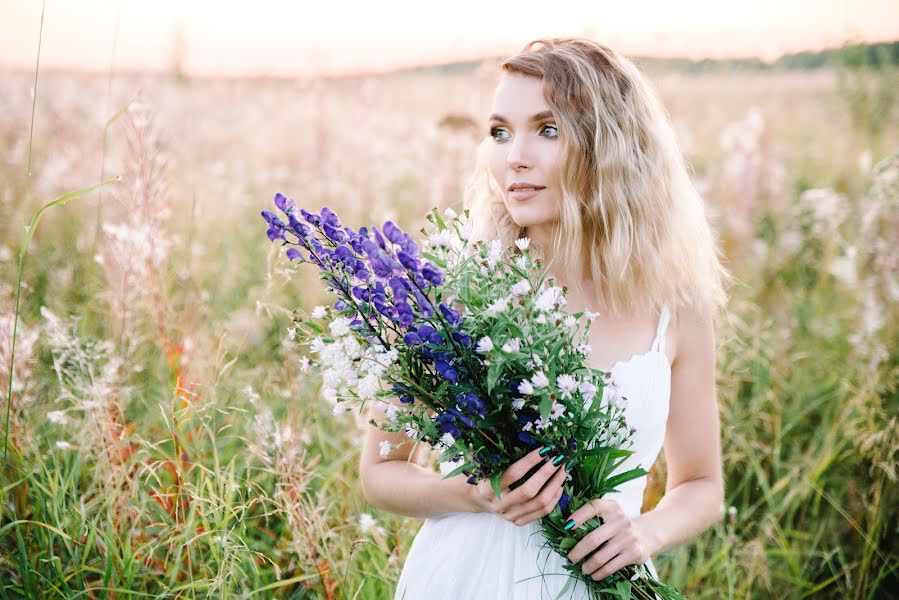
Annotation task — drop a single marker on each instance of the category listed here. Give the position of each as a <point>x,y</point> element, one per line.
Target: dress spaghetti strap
<point>658,344</point>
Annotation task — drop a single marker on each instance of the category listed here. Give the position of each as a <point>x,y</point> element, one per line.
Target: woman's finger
<point>543,509</point>
<point>544,497</point>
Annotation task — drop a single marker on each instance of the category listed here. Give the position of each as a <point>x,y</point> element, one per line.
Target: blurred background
<point>162,436</point>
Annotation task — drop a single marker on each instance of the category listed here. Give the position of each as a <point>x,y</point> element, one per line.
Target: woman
<point>581,159</point>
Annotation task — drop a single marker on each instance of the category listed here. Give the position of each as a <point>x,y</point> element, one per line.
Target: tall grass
<point>169,444</point>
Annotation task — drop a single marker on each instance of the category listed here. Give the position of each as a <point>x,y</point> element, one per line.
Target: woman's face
<point>525,150</point>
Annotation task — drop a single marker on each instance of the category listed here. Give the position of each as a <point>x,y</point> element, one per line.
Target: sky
<point>302,38</point>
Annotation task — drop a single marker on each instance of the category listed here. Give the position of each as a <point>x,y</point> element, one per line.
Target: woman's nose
<point>518,154</point>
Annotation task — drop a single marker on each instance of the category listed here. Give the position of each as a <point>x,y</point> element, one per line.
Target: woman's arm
<point>694,490</point>
<point>400,484</point>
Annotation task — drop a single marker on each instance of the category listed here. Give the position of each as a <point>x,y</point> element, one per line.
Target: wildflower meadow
<point>164,436</point>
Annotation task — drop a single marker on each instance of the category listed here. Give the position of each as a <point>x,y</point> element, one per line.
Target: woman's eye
<point>494,131</point>
<point>555,130</point>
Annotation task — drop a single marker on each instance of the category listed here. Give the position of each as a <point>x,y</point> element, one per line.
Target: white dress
<point>481,556</point>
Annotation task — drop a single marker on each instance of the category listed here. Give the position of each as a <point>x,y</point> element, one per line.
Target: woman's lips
<point>525,194</point>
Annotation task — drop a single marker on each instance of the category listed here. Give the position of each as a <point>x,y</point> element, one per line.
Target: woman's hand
<point>620,539</point>
<point>534,498</point>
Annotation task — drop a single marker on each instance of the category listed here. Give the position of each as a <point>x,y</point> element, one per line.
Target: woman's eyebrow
<point>546,114</point>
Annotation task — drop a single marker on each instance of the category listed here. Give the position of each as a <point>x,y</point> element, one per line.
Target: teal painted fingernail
<point>569,466</point>
<point>569,524</point>
<point>546,450</point>
<point>557,460</point>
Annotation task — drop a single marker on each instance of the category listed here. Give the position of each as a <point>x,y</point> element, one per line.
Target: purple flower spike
<point>432,274</point>
<point>294,254</point>
<point>284,203</point>
<point>412,338</point>
<point>329,217</point>
<point>446,371</point>
<point>393,233</point>
<point>563,501</point>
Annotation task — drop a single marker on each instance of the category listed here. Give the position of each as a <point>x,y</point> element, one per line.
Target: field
<point>163,441</point>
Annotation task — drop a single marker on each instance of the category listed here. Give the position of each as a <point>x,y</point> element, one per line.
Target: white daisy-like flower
<point>494,252</point>
<point>520,288</point>
<point>485,345</point>
<point>319,312</point>
<point>58,417</point>
<point>537,360</point>
<point>522,262</point>
<point>384,448</point>
<point>291,333</point>
<point>567,383</point>
<point>587,389</point>
<point>440,239</point>
<point>570,321</point>
<point>64,445</point>
<point>449,213</point>
<point>501,305</point>
<point>447,439</point>
<point>329,394</point>
<point>304,364</point>
<point>539,380</point>
<point>340,326</point>
<point>410,431</point>
<point>339,409</point>
<point>523,243</point>
<point>527,426</point>
<point>612,395</point>
<point>546,301</point>
<point>513,345</point>
<point>317,345</point>
<point>584,349</point>
<point>557,410</point>
<point>518,403</point>
<point>591,316</point>
<point>541,319</point>
<point>525,388</point>
<point>484,271</point>
<point>465,231</point>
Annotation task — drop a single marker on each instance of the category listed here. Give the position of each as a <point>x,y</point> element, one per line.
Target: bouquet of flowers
<point>475,343</point>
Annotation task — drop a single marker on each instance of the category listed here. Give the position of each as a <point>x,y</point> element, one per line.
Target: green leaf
<point>458,470</point>
<point>546,405</point>
<point>494,483</point>
<point>567,543</point>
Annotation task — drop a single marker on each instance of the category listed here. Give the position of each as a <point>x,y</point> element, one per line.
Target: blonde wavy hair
<point>629,215</point>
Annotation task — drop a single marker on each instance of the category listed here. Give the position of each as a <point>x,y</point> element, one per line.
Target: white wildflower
<point>520,288</point>
<point>367,386</point>
<point>523,243</point>
<point>501,305</point>
<point>329,394</point>
<point>317,345</point>
<point>557,410</point>
<point>591,316</point>
<point>339,409</point>
<point>527,426</point>
<point>392,411</point>
<point>546,301</point>
<point>440,239</point>
<point>447,439</point>
<point>304,364</point>
<point>64,445</point>
<point>410,431</point>
<point>340,326</point>
<point>567,383</point>
<point>513,345</point>
<point>449,213</point>
<point>494,252</point>
<point>587,389</point>
<point>570,321</point>
<point>319,312</point>
<point>58,417</point>
<point>525,388</point>
<point>485,345</point>
<point>522,262</point>
<point>366,522</point>
<point>541,319</point>
<point>539,380</point>
<point>518,403</point>
<point>584,349</point>
<point>384,448</point>
<point>465,231</point>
